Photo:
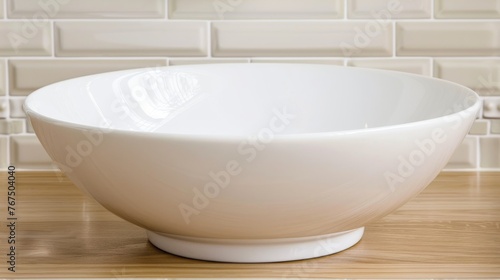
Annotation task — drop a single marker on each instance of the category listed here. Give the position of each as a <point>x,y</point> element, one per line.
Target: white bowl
<point>252,162</point>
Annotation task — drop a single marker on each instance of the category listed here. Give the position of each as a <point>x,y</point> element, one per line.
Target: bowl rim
<point>32,113</point>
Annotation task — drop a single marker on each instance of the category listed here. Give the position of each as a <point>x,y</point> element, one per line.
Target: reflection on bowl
<point>252,162</point>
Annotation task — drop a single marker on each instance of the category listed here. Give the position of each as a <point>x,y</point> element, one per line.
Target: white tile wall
<point>4,108</point>
<point>25,38</point>
<point>26,152</point>
<point>256,9</point>
<point>4,152</point>
<point>448,38</point>
<point>480,74</point>
<point>127,38</point>
<point>12,126</point>
<point>495,126</point>
<point>3,86</point>
<point>480,127</point>
<point>44,41</point>
<point>293,38</point>
<point>401,9</point>
<point>490,152</point>
<point>467,9</point>
<point>16,107</point>
<point>491,107</point>
<point>91,9</point>
<point>1,8</point>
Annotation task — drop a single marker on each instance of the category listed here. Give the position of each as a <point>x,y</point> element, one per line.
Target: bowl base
<point>256,250</point>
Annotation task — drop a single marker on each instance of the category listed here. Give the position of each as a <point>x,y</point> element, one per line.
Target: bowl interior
<point>239,99</point>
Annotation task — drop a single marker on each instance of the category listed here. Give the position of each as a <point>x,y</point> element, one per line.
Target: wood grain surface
<point>451,230</point>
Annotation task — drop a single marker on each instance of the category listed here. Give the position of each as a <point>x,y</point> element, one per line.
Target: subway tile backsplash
<point>256,9</point>
<point>45,41</point>
<point>467,9</point>
<point>3,85</point>
<point>27,153</point>
<point>296,38</point>
<point>24,38</point>
<point>481,75</point>
<point>490,152</point>
<point>129,38</point>
<point>448,38</point>
<point>402,9</point>
<point>87,9</point>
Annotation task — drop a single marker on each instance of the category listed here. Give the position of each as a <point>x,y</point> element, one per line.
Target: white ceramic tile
<point>256,9</point>
<point>181,61</point>
<point>17,126</point>
<point>16,107</point>
<point>467,9</point>
<point>465,156</point>
<point>4,127</point>
<point>4,151</point>
<point>495,126</point>
<point>27,152</point>
<point>481,75</point>
<point>490,152</point>
<point>12,126</point>
<point>300,38</point>
<point>459,38</point>
<point>29,75</point>
<point>4,107</point>
<point>389,9</point>
<point>491,108</point>
<point>3,86</point>
<point>480,127</point>
<point>129,38</point>
<point>415,66</point>
<point>330,61</point>
<point>87,8</point>
<point>24,38</point>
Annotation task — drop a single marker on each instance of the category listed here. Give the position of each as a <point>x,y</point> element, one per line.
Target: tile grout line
<point>209,39</point>
<point>345,10</point>
<point>166,10</point>
<point>432,10</point>
<point>53,38</point>
<point>394,38</point>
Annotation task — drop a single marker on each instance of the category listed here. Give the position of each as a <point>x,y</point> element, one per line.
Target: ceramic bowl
<point>252,162</point>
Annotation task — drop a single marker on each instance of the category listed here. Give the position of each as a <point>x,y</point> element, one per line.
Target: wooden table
<point>450,230</point>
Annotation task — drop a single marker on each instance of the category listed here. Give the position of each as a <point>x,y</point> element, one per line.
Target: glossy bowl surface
<point>252,162</point>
